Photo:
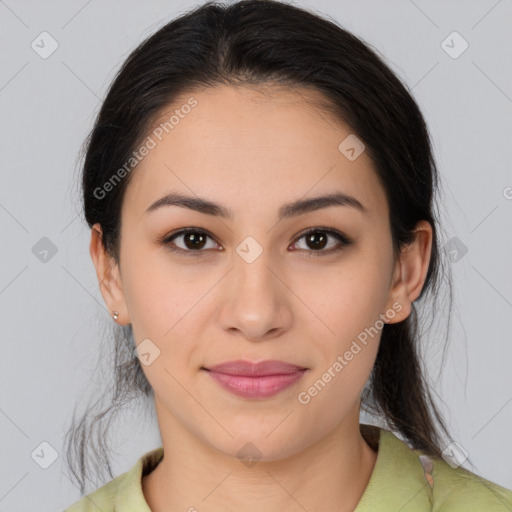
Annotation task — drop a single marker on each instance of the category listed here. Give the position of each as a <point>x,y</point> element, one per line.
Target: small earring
<point>115,315</point>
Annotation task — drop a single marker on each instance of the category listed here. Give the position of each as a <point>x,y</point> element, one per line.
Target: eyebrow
<point>293,209</point>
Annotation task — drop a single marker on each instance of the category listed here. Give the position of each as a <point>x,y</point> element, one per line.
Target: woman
<point>260,192</point>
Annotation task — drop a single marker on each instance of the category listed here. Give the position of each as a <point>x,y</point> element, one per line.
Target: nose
<point>256,302</point>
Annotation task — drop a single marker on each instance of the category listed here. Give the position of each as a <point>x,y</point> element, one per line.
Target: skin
<point>253,152</point>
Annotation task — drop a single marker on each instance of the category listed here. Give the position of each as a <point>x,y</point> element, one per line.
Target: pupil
<point>194,238</point>
<point>312,238</point>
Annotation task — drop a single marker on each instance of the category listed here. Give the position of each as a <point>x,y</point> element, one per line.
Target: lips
<point>261,369</point>
<point>255,380</point>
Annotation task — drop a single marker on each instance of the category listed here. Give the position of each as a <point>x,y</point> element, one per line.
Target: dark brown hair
<point>255,43</point>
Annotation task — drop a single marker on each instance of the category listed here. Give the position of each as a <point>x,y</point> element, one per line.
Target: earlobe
<point>411,271</point>
<point>107,272</point>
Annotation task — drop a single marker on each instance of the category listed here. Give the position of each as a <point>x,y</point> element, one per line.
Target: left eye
<point>194,241</point>
<point>317,238</point>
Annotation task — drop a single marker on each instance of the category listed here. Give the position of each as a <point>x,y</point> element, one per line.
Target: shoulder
<point>459,489</point>
<point>452,488</point>
<point>123,493</point>
<point>101,499</point>
<point>409,480</point>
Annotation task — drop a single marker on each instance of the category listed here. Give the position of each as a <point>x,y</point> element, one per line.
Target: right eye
<point>192,240</point>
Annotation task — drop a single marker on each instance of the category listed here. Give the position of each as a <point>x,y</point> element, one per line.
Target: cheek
<point>352,303</point>
<point>336,382</point>
<point>163,307</point>
<point>153,291</point>
<point>145,298</point>
<point>351,308</point>
<point>333,392</point>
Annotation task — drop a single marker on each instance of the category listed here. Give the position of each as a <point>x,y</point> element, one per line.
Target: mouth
<point>255,380</point>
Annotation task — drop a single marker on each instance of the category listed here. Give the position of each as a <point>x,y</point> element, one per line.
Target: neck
<point>330,475</point>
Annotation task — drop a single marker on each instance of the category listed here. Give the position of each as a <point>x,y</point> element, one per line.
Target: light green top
<point>401,481</point>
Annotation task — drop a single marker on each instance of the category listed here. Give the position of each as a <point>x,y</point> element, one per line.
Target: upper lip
<point>270,367</point>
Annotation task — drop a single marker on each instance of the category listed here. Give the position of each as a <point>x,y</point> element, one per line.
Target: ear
<point>410,272</point>
<point>108,275</point>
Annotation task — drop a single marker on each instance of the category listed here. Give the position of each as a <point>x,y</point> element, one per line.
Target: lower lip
<point>256,387</point>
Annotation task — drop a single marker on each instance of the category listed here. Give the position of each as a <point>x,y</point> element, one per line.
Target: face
<point>306,286</point>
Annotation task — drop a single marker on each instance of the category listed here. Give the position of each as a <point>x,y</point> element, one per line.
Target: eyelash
<point>342,239</point>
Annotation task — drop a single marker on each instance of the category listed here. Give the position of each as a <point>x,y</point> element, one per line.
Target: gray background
<point>52,311</point>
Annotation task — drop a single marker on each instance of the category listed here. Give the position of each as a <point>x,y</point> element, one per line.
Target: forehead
<point>246,148</point>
